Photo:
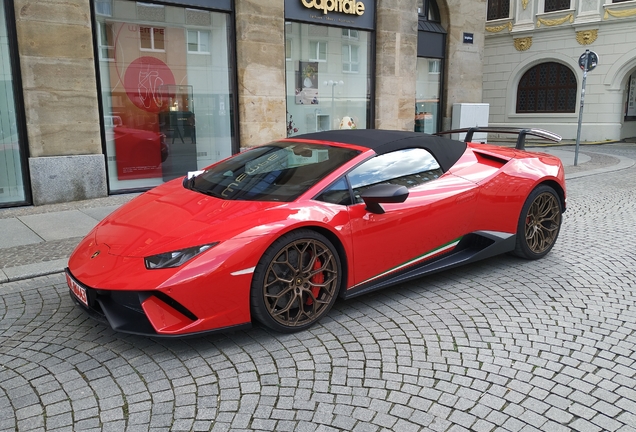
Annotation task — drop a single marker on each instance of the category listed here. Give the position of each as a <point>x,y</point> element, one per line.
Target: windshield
<point>280,171</point>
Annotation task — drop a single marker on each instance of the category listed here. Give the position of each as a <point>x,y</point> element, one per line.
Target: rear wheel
<point>539,223</point>
<point>296,281</point>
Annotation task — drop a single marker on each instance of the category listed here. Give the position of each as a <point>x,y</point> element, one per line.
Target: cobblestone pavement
<point>503,344</point>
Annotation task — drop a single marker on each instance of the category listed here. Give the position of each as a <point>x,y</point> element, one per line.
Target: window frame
<point>152,39</point>
<point>314,55</point>
<point>351,63</point>
<point>198,50</point>
<point>101,27</point>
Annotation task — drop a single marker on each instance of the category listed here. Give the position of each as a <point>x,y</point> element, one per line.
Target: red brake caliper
<point>318,278</point>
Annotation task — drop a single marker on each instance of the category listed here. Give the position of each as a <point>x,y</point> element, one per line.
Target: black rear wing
<point>521,139</point>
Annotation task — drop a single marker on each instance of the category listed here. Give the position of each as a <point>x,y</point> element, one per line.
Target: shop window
<point>13,186</point>
<point>547,88</point>
<point>322,93</point>
<point>350,61</point>
<point>152,38</point>
<point>167,108</point>
<point>106,38</point>
<point>318,51</point>
<point>427,92</point>
<point>556,5</point>
<point>198,41</point>
<point>630,106</point>
<point>498,9</point>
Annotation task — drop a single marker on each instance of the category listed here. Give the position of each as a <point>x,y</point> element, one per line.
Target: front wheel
<point>539,223</point>
<point>296,281</point>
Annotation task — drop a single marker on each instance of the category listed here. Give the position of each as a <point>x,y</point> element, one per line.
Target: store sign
<point>356,14</point>
<point>352,7</point>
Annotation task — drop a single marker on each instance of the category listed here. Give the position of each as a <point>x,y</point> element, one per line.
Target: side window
<point>409,167</point>
<point>337,193</point>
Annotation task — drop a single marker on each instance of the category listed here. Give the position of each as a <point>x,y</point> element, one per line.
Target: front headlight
<point>176,258</point>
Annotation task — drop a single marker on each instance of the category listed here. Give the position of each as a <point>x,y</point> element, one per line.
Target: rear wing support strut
<point>521,134</point>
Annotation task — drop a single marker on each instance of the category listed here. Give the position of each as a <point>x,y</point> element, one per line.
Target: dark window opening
<point>428,10</point>
<point>548,87</point>
<point>498,9</point>
<point>556,5</point>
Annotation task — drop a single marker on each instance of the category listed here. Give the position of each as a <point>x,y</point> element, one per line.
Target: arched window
<point>547,87</point>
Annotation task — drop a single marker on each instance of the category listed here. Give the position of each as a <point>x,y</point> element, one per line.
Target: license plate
<point>78,291</point>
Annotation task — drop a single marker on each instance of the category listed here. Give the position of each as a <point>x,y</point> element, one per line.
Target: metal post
<point>578,132</point>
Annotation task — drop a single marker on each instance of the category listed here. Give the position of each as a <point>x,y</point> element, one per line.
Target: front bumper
<point>147,313</point>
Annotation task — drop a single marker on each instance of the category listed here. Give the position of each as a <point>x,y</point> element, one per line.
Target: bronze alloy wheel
<point>542,222</point>
<point>299,283</point>
<point>539,223</point>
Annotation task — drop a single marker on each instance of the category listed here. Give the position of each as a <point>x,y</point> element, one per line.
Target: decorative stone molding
<point>586,37</point>
<point>556,21</point>
<point>497,29</point>
<point>524,3</point>
<point>619,13</point>
<point>523,44</point>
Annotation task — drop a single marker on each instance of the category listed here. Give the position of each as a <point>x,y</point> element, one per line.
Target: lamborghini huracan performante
<point>276,233</point>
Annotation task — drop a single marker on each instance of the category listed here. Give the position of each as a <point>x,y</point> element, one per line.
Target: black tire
<point>296,282</point>
<point>539,223</point>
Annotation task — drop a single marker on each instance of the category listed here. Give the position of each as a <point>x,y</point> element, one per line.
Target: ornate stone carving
<point>497,29</point>
<point>523,44</point>
<point>556,21</point>
<point>619,14</point>
<point>586,37</point>
<point>524,3</point>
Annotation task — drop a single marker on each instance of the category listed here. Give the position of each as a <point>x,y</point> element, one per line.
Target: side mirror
<point>383,193</point>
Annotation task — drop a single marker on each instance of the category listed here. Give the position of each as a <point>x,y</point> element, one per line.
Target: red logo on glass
<point>144,80</point>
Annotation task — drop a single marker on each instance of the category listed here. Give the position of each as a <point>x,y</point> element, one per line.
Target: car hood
<point>170,218</point>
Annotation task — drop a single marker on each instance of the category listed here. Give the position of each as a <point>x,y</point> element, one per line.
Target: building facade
<point>110,96</point>
<point>532,74</point>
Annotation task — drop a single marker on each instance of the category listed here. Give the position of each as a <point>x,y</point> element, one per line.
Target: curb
<point>28,271</point>
<point>624,163</point>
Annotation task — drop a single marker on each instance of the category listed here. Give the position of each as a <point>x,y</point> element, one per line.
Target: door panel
<point>435,213</point>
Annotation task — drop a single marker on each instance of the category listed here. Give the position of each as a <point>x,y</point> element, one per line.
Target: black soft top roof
<point>445,150</point>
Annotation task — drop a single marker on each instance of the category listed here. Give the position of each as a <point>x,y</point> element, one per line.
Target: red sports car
<point>278,232</point>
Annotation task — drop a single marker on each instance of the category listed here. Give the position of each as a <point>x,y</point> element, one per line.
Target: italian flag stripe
<point>440,250</point>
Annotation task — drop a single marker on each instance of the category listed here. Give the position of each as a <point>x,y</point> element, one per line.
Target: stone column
<point>260,46</point>
<point>464,64</point>
<point>58,77</point>
<point>396,60</point>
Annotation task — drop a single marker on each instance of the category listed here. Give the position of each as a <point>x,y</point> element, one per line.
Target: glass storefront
<point>427,90</point>
<point>12,160</point>
<point>328,78</point>
<point>166,90</point>
<point>431,49</point>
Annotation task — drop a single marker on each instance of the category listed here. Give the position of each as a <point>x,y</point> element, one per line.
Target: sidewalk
<point>36,241</point>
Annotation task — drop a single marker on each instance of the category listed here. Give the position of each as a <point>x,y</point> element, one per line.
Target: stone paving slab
<point>60,225</point>
<point>13,233</point>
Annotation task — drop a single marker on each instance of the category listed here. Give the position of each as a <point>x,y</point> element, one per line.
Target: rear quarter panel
<point>502,195</point>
